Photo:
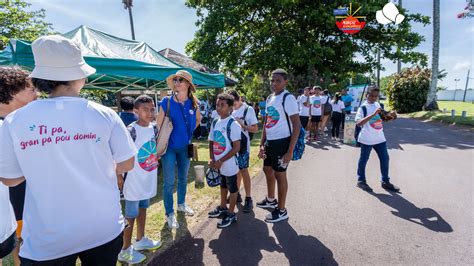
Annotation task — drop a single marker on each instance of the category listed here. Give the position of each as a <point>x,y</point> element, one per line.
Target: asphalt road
<point>333,222</point>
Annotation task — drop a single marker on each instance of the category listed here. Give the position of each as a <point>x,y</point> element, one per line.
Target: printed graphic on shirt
<point>316,103</point>
<point>147,156</point>
<point>49,135</point>
<point>376,122</point>
<point>272,117</point>
<point>219,143</point>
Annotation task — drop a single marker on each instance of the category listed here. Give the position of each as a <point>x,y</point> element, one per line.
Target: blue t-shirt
<point>262,105</point>
<point>128,118</point>
<point>182,133</point>
<point>347,99</point>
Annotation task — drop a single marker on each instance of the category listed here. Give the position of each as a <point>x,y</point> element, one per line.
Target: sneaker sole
<point>149,249</point>
<point>186,213</point>
<point>224,226</point>
<point>267,206</point>
<point>214,216</point>
<point>131,263</point>
<point>277,220</point>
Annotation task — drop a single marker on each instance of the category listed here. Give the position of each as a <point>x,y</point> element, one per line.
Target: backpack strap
<point>132,131</point>
<point>364,110</point>
<point>245,114</point>
<point>155,131</point>
<point>286,114</point>
<point>228,129</point>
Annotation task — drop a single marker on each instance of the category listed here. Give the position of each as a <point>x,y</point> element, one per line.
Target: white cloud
<point>461,66</point>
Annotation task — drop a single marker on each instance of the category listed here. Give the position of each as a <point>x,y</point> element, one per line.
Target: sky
<point>170,24</point>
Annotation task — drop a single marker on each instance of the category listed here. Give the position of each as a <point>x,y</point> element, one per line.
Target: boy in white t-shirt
<point>141,183</point>
<point>315,112</point>
<point>372,136</point>
<point>224,144</point>
<point>279,136</point>
<point>304,106</point>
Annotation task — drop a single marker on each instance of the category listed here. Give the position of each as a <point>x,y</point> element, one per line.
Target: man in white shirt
<point>370,118</point>
<point>279,137</point>
<point>247,119</point>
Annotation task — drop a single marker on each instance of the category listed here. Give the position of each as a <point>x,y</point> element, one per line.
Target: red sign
<point>350,25</point>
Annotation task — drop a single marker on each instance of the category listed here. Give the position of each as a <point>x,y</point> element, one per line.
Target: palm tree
<point>431,103</point>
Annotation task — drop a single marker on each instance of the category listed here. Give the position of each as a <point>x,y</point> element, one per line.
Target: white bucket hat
<point>59,59</point>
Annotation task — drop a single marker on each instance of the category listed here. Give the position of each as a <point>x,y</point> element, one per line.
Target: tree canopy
<point>252,37</point>
<point>16,22</point>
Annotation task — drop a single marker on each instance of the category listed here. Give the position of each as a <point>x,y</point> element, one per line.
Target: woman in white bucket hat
<point>69,150</point>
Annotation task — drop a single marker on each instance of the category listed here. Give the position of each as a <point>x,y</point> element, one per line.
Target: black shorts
<point>230,183</point>
<point>7,246</point>
<point>274,151</point>
<point>17,199</point>
<point>304,121</point>
<point>316,118</point>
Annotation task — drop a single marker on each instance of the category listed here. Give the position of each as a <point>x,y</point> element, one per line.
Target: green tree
<point>16,22</point>
<point>252,37</point>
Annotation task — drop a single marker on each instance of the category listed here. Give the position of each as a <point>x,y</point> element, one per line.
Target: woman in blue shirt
<point>185,116</point>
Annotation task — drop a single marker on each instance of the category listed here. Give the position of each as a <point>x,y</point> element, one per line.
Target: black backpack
<point>327,107</point>
<point>358,128</point>
<point>243,139</point>
<point>133,132</point>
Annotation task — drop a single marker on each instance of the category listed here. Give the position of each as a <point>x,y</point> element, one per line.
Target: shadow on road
<point>324,144</point>
<point>302,249</point>
<point>426,217</point>
<point>242,243</point>
<point>410,131</point>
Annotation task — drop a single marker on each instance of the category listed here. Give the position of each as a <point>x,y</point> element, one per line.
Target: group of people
<point>67,160</point>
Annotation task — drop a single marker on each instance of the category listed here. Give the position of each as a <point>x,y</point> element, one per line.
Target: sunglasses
<point>180,80</point>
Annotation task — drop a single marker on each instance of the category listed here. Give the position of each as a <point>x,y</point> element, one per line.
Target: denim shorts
<point>243,160</point>
<point>131,207</point>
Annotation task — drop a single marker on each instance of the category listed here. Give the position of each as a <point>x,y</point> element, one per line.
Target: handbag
<point>327,107</point>
<point>165,130</point>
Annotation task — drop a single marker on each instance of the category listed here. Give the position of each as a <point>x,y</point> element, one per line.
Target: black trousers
<point>336,119</point>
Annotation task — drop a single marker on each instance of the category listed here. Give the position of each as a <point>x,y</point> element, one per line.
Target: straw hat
<point>183,74</point>
<point>58,58</point>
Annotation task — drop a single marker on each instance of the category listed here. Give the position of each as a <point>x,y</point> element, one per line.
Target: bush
<point>407,91</point>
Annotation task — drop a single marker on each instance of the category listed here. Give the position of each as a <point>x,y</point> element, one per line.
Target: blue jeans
<point>382,153</point>
<point>132,207</point>
<point>171,159</point>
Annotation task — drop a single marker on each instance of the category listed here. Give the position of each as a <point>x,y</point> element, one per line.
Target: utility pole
<point>128,5</point>
<point>465,88</point>
<point>399,63</point>
<point>378,68</point>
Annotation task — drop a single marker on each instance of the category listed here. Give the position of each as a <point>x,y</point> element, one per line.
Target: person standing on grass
<point>127,115</point>
<point>347,99</point>
<point>16,91</point>
<point>279,136</point>
<point>69,150</point>
<point>315,112</point>
<point>140,186</point>
<point>304,105</point>
<point>245,116</point>
<point>185,116</point>
<point>224,144</point>
<point>336,117</point>
<point>369,118</point>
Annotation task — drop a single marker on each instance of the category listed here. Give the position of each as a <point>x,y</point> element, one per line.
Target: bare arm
<point>198,118</point>
<point>160,117</point>
<point>125,166</point>
<point>12,182</point>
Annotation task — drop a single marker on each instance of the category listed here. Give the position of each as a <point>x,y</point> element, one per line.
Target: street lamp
<point>128,5</point>
<point>456,80</point>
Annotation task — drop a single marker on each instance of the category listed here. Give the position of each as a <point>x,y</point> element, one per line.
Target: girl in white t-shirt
<point>337,108</point>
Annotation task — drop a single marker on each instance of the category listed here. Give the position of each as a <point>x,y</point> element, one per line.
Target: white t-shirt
<point>141,182</point>
<point>372,132</point>
<point>214,114</point>
<point>304,111</point>
<point>337,107</point>
<point>250,119</point>
<point>316,105</point>
<point>7,220</point>
<point>67,149</point>
<point>222,145</point>
<point>276,126</point>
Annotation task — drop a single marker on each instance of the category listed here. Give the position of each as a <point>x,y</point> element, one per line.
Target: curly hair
<point>12,81</point>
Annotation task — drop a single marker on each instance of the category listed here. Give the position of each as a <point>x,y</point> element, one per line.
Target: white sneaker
<point>131,256</point>
<point>186,209</point>
<point>146,244</point>
<point>172,222</point>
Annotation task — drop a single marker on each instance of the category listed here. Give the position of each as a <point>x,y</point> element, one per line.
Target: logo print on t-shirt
<point>272,117</point>
<point>219,143</point>
<point>376,122</point>
<point>147,156</point>
<point>317,103</point>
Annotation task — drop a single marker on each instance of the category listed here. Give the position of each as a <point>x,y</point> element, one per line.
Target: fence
<point>455,95</point>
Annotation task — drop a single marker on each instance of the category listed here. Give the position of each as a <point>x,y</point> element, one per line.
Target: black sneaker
<point>364,186</point>
<point>217,212</point>
<point>276,215</point>
<point>228,219</point>
<point>239,198</point>
<point>248,206</point>
<point>266,204</point>
<point>389,186</point>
